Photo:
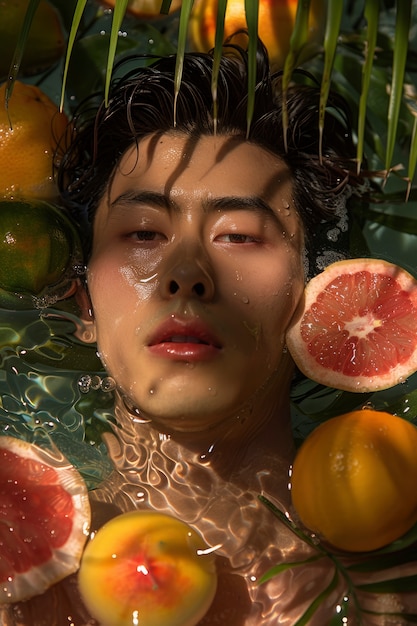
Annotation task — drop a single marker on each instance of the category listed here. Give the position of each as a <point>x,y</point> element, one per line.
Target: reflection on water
<point>45,398</point>
<point>40,398</point>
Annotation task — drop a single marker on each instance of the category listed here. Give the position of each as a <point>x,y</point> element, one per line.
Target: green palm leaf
<point>20,48</point>
<point>298,40</point>
<point>252,17</point>
<point>402,28</point>
<point>334,18</point>
<point>186,7</point>
<point>371,16</point>
<point>78,13</point>
<point>118,15</point>
<point>218,47</point>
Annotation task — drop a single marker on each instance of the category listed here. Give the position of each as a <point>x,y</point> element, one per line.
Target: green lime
<point>38,244</point>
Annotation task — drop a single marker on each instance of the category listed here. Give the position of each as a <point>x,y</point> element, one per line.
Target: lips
<point>184,340</point>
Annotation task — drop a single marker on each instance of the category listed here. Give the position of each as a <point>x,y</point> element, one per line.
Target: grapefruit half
<point>44,519</point>
<point>356,328</point>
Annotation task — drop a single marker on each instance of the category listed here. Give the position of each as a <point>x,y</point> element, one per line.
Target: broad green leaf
<point>297,41</point>
<point>185,13</point>
<point>403,21</point>
<point>252,17</point>
<point>20,48</point>
<point>371,16</point>
<point>79,10</point>
<point>334,17</point>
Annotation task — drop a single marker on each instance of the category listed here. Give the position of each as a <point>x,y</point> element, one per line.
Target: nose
<point>188,276</point>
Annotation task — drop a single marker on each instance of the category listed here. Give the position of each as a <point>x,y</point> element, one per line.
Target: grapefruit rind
<point>64,559</point>
<point>355,329</point>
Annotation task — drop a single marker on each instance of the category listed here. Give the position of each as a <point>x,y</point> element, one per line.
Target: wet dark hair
<point>142,103</point>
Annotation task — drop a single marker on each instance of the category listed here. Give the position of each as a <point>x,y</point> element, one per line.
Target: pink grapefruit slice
<point>356,328</point>
<point>44,519</point>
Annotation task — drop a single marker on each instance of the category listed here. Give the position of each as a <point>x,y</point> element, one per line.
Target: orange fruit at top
<point>275,24</point>
<point>29,132</point>
<point>146,8</point>
<point>353,480</point>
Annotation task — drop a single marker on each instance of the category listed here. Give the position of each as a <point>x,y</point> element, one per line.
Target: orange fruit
<point>147,568</point>
<point>356,327</point>
<point>45,517</point>
<point>275,24</point>
<point>146,8</point>
<point>37,246</point>
<point>353,480</point>
<point>45,43</point>
<point>29,132</point>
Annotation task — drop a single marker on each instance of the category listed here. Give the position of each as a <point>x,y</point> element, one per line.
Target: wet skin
<point>195,272</point>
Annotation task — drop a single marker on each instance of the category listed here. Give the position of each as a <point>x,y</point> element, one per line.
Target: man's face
<point>195,273</point>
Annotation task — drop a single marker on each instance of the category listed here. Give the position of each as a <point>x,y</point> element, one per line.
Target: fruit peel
<point>38,247</point>
<point>149,566</point>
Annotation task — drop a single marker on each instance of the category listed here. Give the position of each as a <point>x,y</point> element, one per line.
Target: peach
<point>147,568</point>
<point>276,23</point>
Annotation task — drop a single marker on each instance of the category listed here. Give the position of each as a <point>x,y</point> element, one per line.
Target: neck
<point>258,440</point>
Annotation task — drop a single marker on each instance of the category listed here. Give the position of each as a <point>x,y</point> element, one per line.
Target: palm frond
<point>186,7</point>
<point>371,16</point>
<point>334,18</point>
<point>20,48</point>
<point>78,13</point>
<point>402,29</point>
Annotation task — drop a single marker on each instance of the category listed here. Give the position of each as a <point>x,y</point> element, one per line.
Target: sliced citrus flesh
<point>29,134</point>
<point>44,519</point>
<point>356,327</point>
<point>147,568</point>
<point>353,480</point>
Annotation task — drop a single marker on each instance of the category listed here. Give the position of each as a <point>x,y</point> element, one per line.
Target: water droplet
<point>245,300</point>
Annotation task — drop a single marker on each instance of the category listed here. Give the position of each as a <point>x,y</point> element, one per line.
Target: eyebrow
<point>255,204</point>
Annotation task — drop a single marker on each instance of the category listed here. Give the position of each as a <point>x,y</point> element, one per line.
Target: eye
<point>236,238</point>
<point>146,235</point>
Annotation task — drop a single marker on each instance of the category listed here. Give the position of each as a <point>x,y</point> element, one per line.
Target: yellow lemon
<point>354,480</point>
<point>29,132</point>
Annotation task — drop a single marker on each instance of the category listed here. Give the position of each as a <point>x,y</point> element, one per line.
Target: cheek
<point>115,285</point>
